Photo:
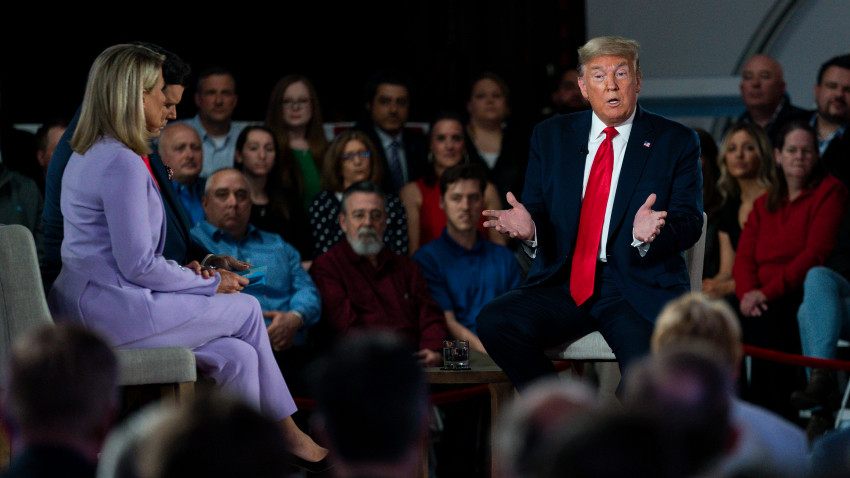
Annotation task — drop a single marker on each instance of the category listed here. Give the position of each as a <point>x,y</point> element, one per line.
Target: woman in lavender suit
<point>114,279</point>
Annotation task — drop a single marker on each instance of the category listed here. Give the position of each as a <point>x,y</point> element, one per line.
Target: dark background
<point>440,44</point>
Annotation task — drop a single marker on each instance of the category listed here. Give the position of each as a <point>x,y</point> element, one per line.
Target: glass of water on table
<point>456,355</point>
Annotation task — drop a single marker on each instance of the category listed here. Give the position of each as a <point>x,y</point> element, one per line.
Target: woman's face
<point>447,143</point>
<point>297,107</point>
<point>742,157</point>
<point>487,102</point>
<point>257,155</point>
<point>798,156</point>
<point>356,163</point>
<point>156,112</point>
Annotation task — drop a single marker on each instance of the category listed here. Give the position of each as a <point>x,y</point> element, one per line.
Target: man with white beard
<point>365,285</point>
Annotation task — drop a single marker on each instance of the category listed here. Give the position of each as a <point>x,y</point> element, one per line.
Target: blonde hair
<point>608,46</point>
<point>112,105</point>
<point>694,318</point>
<point>727,185</point>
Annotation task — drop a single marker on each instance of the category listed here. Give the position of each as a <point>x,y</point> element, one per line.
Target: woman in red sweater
<point>791,229</point>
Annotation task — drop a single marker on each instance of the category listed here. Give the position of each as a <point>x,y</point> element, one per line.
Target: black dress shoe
<point>309,466</point>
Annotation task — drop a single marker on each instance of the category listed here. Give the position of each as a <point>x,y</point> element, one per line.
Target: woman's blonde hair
<point>727,185</point>
<point>112,105</point>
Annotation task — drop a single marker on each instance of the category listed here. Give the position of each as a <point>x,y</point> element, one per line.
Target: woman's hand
<point>202,271</point>
<point>753,303</point>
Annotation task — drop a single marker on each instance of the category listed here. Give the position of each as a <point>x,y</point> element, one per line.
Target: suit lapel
<point>576,152</point>
<point>634,161</point>
<point>174,208</point>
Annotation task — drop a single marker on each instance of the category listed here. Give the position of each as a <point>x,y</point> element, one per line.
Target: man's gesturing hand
<point>515,222</point>
<point>648,223</point>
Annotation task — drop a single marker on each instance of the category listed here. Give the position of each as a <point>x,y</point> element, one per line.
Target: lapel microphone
<point>583,149</point>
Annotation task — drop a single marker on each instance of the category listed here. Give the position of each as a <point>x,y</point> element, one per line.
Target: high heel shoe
<point>309,466</point>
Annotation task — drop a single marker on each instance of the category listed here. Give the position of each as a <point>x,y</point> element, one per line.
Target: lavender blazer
<point>114,278</point>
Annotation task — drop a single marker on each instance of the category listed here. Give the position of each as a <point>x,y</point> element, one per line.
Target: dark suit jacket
<point>836,158</point>
<point>661,157</point>
<point>179,245</point>
<point>415,151</point>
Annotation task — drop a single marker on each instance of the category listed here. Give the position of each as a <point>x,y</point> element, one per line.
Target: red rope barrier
<point>794,359</point>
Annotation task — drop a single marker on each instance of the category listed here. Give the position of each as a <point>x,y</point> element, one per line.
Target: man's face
<point>54,134</point>
<point>181,150</point>
<point>762,84</point>
<point>173,95</point>
<point>389,108</point>
<point>832,95</point>
<point>364,221</point>
<point>568,95</point>
<point>611,84</point>
<point>227,202</point>
<point>216,99</point>
<point>463,203</point>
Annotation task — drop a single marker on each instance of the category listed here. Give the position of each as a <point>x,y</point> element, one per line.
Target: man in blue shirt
<point>216,98</point>
<point>464,271</point>
<point>289,299</point>
<point>180,149</point>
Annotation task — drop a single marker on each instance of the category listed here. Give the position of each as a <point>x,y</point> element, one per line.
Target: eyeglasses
<point>361,155</point>
<point>301,103</point>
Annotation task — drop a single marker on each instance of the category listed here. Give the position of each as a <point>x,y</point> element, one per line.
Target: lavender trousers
<point>232,348</point>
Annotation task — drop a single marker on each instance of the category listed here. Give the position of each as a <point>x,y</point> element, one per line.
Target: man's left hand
<point>283,328</point>
<point>648,223</point>
<point>429,358</point>
<point>226,262</point>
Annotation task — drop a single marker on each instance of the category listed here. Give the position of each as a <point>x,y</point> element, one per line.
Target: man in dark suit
<point>401,151</point>
<point>179,245</point>
<point>604,259</point>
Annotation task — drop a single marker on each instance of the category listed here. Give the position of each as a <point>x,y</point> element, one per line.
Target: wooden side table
<point>482,370</point>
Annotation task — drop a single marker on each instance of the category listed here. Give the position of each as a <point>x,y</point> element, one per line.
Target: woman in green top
<point>295,118</point>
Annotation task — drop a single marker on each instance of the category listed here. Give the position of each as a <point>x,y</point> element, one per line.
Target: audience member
<point>425,218</point>
<point>61,398</point>
<point>17,149</point>
<point>791,229</point>
<point>746,167</point>
<point>289,299</point>
<point>401,151</point>
<point>463,270</point>
<point>275,206</point>
<point>489,138</point>
<point>373,408</point>
<point>830,119</point>
<point>351,158</point>
<point>216,98</point>
<point>179,245</point>
<point>366,286</point>
<point>21,203</point>
<point>295,117</point>
<point>215,437</point>
<point>523,435</point>
<point>711,200</point>
<point>763,93</point>
<point>766,441</point>
<point>822,319</point>
<point>567,97</point>
<point>830,458</point>
<point>120,455</point>
<point>46,139</point>
<point>687,392</point>
<point>180,149</point>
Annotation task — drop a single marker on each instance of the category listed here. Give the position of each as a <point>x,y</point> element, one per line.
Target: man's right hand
<point>230,282</point>
<point>515,222</point>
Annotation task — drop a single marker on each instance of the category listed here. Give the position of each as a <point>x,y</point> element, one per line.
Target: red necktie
<point>593,207</point>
